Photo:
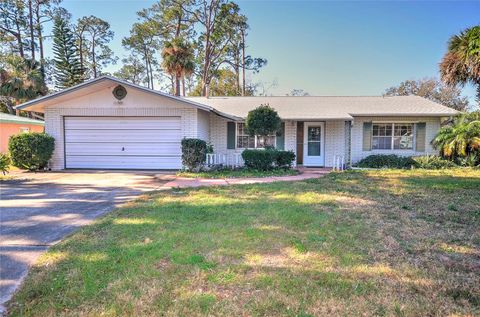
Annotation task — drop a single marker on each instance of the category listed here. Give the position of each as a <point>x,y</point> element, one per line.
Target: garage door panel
<point>123,142</point>
<point>124,162</point>
<point>129,136</point>
<point>126,123</point>
<point>131,149</point>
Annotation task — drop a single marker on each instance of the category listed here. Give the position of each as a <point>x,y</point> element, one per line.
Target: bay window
<point>245,141</point>
<point>397,136</point>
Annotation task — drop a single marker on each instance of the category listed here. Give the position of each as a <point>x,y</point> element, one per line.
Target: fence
<point>229,160</point>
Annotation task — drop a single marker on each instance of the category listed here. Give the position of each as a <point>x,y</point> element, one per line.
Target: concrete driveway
<point>38,210</point>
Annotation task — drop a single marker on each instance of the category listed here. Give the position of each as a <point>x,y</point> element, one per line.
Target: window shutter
<point>367,136</point>
<point>281,138</point>
<point>231,135</point>
<point>420,137</point>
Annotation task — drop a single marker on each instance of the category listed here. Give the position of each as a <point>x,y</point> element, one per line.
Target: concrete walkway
<point>184,182</point>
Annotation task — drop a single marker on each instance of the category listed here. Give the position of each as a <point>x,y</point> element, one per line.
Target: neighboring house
<point>11,125</point>
<point>92,129</point>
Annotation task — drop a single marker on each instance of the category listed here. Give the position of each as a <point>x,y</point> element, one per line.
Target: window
<point>387,136</point>
<point>245,141</point>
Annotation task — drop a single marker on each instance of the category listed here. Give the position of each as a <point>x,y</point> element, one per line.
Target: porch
<point>316,143</point>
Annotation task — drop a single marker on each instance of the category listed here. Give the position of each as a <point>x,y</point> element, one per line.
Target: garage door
<point>123,142</point>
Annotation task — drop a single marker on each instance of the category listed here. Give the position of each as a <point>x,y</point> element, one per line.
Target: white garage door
<point>123,142</point>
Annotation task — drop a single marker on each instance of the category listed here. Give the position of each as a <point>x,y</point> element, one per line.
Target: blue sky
<point>329,47</point>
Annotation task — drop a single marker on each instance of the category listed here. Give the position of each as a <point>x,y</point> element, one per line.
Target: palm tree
<point>461,138</point>
<point>461,63</point>
<point>178,60</point>
<point>20,80</point>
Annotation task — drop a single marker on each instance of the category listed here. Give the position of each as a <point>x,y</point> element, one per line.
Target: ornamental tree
<point>262,121</point>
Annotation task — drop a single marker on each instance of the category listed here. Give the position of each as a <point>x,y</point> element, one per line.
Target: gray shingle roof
<point>8,118</point>
<point>311,107</point>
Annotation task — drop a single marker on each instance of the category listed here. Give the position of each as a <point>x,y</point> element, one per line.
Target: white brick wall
<point>102,103</point>
<point>203,125</point>
<point>432,127</point>
<point>334,140</point>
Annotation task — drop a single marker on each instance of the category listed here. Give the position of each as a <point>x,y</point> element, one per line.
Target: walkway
<point>184,182</point>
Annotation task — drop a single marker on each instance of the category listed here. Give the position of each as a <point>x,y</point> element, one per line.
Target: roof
<point>9,118</point>
<point>102,82</point>
<point>288,107</point>
<point>330,107</point>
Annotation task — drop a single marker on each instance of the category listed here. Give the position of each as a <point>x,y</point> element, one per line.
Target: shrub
<point>4,163</point>
<point>194,153</point>
<point>261,160</point>
<point>432,162</point>
<point>31,151</point>
<point>284,159</point>
<point>471,160</point>
<point>386,161</point>
<point>262,120</point>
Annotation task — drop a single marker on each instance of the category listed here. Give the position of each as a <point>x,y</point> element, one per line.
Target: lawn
<point>236,173</point>
<point>358,243</point>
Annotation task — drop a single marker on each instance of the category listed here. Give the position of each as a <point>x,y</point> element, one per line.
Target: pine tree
<point>68,70</point>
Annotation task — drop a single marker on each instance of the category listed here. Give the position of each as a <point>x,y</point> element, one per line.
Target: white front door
<point>314,144</point>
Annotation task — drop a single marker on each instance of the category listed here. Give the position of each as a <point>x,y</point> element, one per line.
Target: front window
<point>245,141</point>
<point>387,136</point>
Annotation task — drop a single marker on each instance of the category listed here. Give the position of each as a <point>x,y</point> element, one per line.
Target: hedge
<point>31,151</point>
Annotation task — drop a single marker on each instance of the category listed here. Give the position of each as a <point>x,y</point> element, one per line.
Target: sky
<point>328,47</point>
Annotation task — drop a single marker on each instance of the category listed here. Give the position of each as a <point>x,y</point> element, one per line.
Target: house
<point>11,125</point>
<point>107,123</point>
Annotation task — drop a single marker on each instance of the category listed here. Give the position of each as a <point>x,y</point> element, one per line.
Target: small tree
<point>263,121</point>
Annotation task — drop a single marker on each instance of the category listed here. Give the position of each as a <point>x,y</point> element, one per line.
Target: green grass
<point>238,173</point>
<point>361,243</point>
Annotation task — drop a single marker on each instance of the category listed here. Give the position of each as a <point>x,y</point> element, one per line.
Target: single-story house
<point>107,123</point>
<point>11,125</point>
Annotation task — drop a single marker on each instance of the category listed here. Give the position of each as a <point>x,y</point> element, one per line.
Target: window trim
<point>255,139</point>
<point>392,148</point>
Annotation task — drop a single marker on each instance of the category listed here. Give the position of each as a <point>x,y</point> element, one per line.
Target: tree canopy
<point>432,89</point>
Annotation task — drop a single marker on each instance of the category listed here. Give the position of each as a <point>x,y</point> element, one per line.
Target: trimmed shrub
<point>4,163</point>
<point>31,151</point>
<point>261,160</point>
<point>194,153</point>
<point>432,162</point>
<point>284,159</point>
<point>386,161</point>
<point>263,120</point>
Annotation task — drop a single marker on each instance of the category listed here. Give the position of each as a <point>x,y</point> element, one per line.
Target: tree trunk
<point>183,86</point>
<point>32,35</point>
<point>243,63</point>
<point>177,86</point>
<point>94,61</point>
<point>18,35</point>
<point>39,34</point>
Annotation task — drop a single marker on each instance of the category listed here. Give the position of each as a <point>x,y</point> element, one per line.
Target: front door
<point>314,144</point>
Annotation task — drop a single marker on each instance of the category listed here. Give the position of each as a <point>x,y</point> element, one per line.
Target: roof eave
<point>105,77</point>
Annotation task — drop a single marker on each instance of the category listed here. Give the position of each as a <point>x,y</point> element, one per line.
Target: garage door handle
<point>123,149</point>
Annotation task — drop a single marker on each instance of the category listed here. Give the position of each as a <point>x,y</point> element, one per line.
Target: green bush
<point>194,154</point>
<point>4,163</point>
<point>284,159</point>
<point>31,151</point>
<point>471,160</point>
<point>432,162</point>
<point>263,120</point>
<point>386,161</point>
<point>261,160</point>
